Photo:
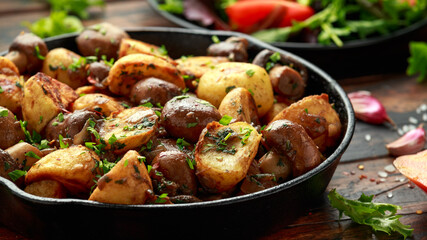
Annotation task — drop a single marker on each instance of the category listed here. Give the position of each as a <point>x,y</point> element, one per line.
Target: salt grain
<point>389,194</point>
<point>423,107</point>
<point>382,174</point>
<point>425,117</point>
<point>390,168</point>
<point>413,120</point>
<point>368,137</point>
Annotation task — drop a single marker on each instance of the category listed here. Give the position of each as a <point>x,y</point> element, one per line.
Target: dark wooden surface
<point>400,94</point>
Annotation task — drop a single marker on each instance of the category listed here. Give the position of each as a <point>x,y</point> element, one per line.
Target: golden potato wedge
<point>128,129</point>
<point>318,118</point>
<point>65,66</point>
<point>47,188</point>
<point>25,154</point>
<point>240,105</point>
<point>44,98</point>
<point>214,84</point>
<point>73,167</point>
<point>198,65</point>
<point>97,102</point>
<point>8,67</point>
<point>126,183</point>
<point>11,92</point>
<point>131,46</point>
<point>276,109</point>
<point>132,68</point>
<point>224,153</point>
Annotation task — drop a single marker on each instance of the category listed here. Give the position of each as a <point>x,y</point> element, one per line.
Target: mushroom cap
<point>26,43</point>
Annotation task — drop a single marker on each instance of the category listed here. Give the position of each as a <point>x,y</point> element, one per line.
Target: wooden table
<point>400,94</point>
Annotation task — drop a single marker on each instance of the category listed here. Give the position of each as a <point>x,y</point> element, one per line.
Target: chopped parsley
<point>225,120</point>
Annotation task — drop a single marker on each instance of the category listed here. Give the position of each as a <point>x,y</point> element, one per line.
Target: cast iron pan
<point>376,55</point>
<point>244,217</point>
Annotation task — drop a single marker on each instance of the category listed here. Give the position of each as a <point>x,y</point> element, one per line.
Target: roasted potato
<point>126,183</point>
<point>47,188</point>
<point>128,129</point>
<point>224,153</point>
<point>240,105</point>
<point>10,86</point>
<point>214,84</point>
<point>131,68</point>
<point>131,46</point>
<point>289,139</point>
<point>44,98</point>
<point>73,167</point>
<point>186,116</point>
<point>97,102</point>
<point>276,109</point>
<point>25,154</point>
<point>65,66</point>
<point>318,118</point>
<point>10,130</point>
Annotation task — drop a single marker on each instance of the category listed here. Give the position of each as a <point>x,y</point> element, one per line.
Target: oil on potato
<point>97,102</point>
<point>131,68</point>
<point>126,183</point>
<point>224,153</point>
<point>73,167</point>
<point>128,129</point>
<point>44,98</point>
<point>318,118</point>
<point>214,84</point>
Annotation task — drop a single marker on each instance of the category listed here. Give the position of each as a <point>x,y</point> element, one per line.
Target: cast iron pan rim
<point>347,135</point>
<point>306,46</point>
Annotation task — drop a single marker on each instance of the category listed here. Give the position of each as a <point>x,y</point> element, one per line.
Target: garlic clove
<point>411,142</point>
<point>368,109</point>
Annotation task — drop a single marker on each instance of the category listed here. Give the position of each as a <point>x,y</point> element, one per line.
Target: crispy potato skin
<point>8,67</point>
<point>97,102</point>
<point>44,98</point>
<point>132,128</point>
<point>47,188</point>
<point>57,65</point>
<point>126,183</point>
<point>73,167</point>
<point>131,46</point>
<point>318,118</point>
<point>240,105</point>
<point>290,139</point>
<point>220,170</point>
<point>213,84</point>
<point>11,85</point>
<point>131,68</point>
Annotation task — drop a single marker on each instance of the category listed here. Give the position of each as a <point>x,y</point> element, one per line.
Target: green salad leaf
<point>77,7</point>
<point>418,60</point>
<point>380,216</point>
<point>172,6</point>
<point>57,23</point>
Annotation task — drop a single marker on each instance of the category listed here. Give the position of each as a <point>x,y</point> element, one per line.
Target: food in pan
<point>147,129</point>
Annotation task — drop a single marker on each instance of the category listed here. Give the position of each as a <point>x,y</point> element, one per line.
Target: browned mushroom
<point>101,39</point>
<point>27,53</point>
<point>235,48</point>
<point>10,130</point>
<point>287,82</point>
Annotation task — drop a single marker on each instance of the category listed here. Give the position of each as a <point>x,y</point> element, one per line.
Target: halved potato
<point>11,92</point>
<point>240,105</point>
<point>131,68</point>
<point>44,98</point>
<point>63,65</point>
<point>126,183</point>
<point>215,84</point>
<point>131,128</point>
<point>97,102</point>
<point>318,118</point>
<point>131,46</point>
<point>224,153</point>
<point>47,188</point>
<point>73,167</point>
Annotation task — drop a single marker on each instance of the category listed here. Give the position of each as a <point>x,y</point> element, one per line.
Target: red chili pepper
<point>245,14</point>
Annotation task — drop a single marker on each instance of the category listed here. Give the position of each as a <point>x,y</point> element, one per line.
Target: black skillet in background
<point>376,55</point>
<point>244,217</point>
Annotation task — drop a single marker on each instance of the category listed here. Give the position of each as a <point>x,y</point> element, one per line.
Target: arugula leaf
<point>57,23</point>
<point>380,216</point>
<point>418,60</point>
